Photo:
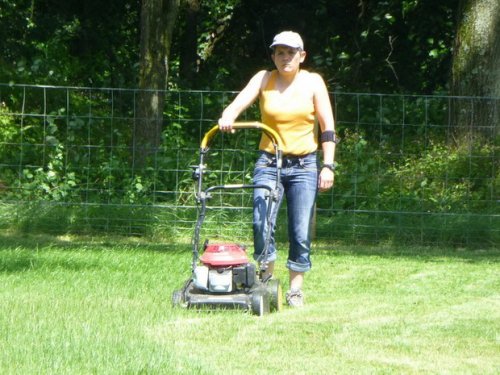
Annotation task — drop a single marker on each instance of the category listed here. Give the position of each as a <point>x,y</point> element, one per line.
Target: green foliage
<point>364,46</point>
<point>50,183</point>
<point>387,46</point>
<point>444,179</point>
<point>73,146</point>
<point>436,177</point>
<point>395,167</point>
<point>69,42</point>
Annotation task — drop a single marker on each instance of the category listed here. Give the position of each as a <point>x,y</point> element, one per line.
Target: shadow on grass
<point>29,261</point>
<point>71,242</point>
<point>21,252</point>
<point>11,241</point>
<point>425,253</point>
<point>435,230</point>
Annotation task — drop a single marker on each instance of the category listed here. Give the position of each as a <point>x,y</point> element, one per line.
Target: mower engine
<point>224,268</point>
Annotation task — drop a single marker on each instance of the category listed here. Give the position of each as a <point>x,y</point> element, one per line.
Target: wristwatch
<point>329,166</point>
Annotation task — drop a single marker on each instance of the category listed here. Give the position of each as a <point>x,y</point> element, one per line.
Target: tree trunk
<point>188,58</point>
<point>476,69</point>
<point>158,19</point>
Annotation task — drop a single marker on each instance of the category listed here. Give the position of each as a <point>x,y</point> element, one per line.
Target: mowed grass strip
<point>100,305</point>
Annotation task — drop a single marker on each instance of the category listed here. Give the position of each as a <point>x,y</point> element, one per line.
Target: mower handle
<point>271,133</point>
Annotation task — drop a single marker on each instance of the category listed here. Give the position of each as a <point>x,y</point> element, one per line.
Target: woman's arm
<point>242,101</point>
<point>324,114</point>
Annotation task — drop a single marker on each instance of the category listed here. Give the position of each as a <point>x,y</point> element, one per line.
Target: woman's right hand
<point>226,125</point>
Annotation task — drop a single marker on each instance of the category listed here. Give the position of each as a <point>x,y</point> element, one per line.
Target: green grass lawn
<point>102,306</point>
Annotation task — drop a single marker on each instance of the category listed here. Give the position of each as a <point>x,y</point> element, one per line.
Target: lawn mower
<point>222,276</point>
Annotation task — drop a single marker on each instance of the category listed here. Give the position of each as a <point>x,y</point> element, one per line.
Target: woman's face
<point>287,59</point>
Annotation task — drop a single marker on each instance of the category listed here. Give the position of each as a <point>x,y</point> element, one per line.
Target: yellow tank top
<point>291,115</point>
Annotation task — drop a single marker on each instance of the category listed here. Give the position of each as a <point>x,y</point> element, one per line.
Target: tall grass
<point>99,305</point>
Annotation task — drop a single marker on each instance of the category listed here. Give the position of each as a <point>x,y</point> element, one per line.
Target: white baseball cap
<point>288,38</point>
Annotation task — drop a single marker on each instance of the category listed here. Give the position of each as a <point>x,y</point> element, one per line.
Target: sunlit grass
<point>100,305</point>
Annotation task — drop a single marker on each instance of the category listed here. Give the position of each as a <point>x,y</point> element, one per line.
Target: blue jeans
<point>299,184</point>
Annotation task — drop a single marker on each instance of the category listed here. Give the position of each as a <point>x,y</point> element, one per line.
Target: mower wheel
<point>177,298</point>
<point>260,303</point>
<point>276,295</point>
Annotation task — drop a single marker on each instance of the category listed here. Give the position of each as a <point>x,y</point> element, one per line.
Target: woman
<point>291,99</point>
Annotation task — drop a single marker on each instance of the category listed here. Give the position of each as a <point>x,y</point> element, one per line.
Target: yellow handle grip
<point>271,133</point>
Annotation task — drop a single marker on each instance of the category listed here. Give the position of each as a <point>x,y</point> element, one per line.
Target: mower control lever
<point>197,171</point>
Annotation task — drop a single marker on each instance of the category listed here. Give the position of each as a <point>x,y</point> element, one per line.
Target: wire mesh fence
<point>413,169</point>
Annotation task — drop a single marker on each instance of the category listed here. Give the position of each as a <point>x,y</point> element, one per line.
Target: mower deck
<point>261,299</point>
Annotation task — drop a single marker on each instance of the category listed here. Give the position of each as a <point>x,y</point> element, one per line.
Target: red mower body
<point>224,255</point>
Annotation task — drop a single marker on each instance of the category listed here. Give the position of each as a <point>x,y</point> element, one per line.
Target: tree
<point>476,66</point>
<point>158,18</point>
<point>360,45</point>
<point>202,26</point>
<point>70,42</point>
<point>188,39</point>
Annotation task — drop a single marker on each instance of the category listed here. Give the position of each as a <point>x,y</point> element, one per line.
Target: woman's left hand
<point>326,179</point>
